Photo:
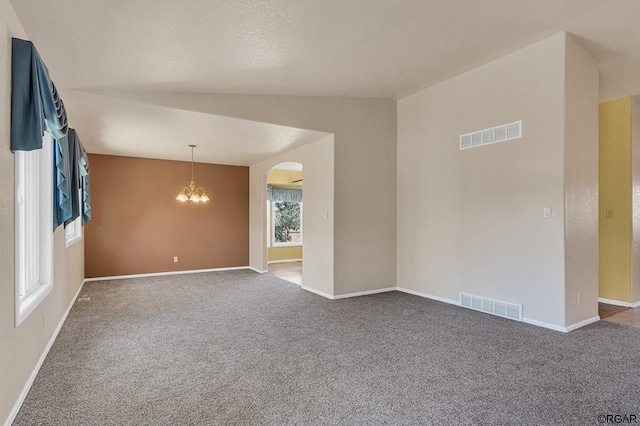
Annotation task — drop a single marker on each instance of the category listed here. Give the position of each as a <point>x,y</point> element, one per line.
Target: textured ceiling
<point>369,48</point>
<point>362,48</point>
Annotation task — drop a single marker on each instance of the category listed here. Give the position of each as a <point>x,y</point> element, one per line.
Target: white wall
<point>581,183</point>
<point>478,214</point>
<point>317,159</point>
<point>365,169</point>
<point>22,347</point>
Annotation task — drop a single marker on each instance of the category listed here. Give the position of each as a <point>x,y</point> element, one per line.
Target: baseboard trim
<point>160,274</point>
<point>543,324</point>
<point>559,327</point>
<point>283,261</point>
<point>524,319</point>
<point>582,323</point>
<point>616,302</point>
<point>364,293</point>
<point>428,296</point>
<point>318,292</point>
<point>257,270</point>
<point>635,304</point>
<point>25,390</point>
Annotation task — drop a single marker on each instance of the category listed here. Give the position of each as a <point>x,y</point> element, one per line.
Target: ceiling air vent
<point>503,133</point>
<point>491,306</point>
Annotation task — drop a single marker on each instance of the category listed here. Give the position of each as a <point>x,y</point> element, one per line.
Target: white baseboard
<point>347,295</point>
<point>25,390</point>
<point>544,324</point>
<point>428,296</point>
<point>284,261</point>
<point>257,270</point>
<point>619,302</point>
<point>364,293</point>
<point>160,274</point>
<point>561,328</point>
<point>318,292</point>
<point>582,323</point>
<point>616,302</point>
<point>524,319</point>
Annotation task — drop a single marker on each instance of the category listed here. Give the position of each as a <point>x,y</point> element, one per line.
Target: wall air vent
<point>503,133</point>
<point>490,306</point>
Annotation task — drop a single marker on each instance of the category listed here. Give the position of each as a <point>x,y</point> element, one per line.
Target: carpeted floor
<point>243,348</point>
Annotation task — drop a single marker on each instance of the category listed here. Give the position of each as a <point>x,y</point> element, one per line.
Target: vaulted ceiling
<point>359,48</point>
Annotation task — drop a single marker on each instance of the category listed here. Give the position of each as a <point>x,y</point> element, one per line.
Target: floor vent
<point>505,132</point>
<point>490,306</point>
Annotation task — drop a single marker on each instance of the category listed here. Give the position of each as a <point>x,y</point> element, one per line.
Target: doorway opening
<point>285,223</point>
<point>619,209</point>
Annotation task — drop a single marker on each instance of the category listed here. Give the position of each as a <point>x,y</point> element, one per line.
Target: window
<point>287,223</point>
<point>73,230</point>
<point>268,223</point>
<point>34,222</point>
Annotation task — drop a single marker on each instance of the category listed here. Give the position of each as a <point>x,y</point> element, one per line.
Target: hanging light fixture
<point>192,193</point>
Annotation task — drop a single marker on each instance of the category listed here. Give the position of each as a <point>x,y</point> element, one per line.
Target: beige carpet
<point>243,348</point>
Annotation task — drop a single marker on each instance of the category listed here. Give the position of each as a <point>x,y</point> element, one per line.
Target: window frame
<point>33,228</point>
<point>274,243</point>
<point>73,230</point>
<point>269,224</point>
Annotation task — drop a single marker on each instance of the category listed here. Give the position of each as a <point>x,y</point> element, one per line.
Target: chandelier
<point>192,193</point>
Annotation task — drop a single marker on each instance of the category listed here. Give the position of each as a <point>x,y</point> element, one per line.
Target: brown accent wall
<point>138,226</point>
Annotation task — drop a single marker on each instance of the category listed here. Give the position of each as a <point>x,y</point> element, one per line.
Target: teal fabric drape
<point>275,193</point>
<point>75,185</point>
<point>36,108</point>
<point>71,177</point>
<point>35,103</point>
<point>85,185</point>
<point>63,184</point>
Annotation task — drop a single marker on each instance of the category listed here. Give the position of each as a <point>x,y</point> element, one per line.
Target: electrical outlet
<point>546,212</point>
<point>579,297</point>
<point>608,214</point>
<point>456,282</point>
<point>175,259</point>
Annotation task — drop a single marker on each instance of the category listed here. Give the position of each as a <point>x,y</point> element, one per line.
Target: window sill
<point>277,245</point>
<point>31,302</point>
<point>71,241</point>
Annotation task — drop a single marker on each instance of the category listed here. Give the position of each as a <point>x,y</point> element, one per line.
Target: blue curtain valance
<point>83,165</point>
<point>63,184</point>
<point>36,107</point>
<point>275,193</point>
<point>35,103</point>
<point>72,196</point>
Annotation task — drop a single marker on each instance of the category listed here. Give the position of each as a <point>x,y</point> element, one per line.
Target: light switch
<point>326,214</point>
<point>546,212</point>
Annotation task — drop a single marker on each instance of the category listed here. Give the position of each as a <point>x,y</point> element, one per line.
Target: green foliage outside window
<point>286,222</point>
